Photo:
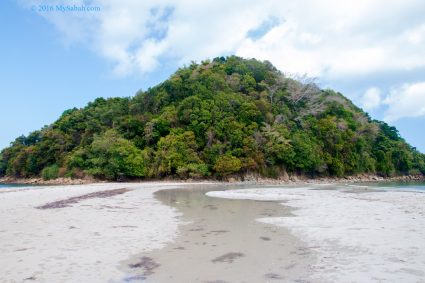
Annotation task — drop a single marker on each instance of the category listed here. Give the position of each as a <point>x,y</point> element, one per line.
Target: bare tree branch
<point>301,86</point>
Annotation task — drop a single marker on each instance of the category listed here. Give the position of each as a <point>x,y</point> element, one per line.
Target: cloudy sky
<point>52,59</point>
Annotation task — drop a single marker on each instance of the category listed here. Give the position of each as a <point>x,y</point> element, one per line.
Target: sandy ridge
<point>84,241</point>
<point>358,237</point>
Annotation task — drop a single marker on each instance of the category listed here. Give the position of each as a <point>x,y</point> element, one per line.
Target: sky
<point>60,54</point>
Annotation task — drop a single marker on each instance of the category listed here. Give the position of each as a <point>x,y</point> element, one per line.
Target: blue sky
<point>371,51</point>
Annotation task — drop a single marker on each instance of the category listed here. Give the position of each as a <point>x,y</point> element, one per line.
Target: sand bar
<point>221,241</point>
<point>358,237</point>
<point>80,233</point>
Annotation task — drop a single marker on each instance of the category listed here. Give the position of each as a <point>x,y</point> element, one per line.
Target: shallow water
<point>223,243</point>
<point>13,186</point>
<point>403,186</point>
<point>417,186</point>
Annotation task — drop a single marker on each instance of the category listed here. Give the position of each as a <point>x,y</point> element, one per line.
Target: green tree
<point>51,172</point>
<point>307,153</point>
<point>177,154</point>
<point>112,157</point>
<point>225,116</point>
<point>278,148</point>
<point>226,165</point>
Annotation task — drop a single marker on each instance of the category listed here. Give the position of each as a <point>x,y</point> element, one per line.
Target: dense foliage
<point>221,117</point>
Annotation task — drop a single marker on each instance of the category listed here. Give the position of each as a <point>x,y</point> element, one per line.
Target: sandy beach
<point>132,232</point>
<point>221,241</point>
<point>358,235</point>
<point>80,233</point>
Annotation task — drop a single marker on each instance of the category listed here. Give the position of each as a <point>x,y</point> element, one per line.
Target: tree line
<point>228,116</point>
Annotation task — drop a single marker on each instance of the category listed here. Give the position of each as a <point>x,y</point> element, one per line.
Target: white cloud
<point>416,35</point>
<point>147,54</point>
<point>327,38</point>
<point>371,98</point>
<point>349,38</point>
<point>405,101</point>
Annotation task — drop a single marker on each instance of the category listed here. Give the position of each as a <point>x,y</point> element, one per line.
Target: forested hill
<point>229,116</point>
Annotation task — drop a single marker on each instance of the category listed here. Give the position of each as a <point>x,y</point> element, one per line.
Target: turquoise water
<point>409,186</point>
<point>8,186</point>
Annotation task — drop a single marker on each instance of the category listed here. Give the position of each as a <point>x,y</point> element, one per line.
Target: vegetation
<point>221,117</point>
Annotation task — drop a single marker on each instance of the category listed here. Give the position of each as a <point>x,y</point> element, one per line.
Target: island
<point>223,119</point>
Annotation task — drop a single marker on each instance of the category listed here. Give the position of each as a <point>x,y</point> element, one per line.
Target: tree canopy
<point>217,118</point>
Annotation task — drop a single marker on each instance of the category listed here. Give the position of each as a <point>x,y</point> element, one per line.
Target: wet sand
<point>222,242</point>
<point>80,233</point>
<point>360,234</point>
<point>148,233</point>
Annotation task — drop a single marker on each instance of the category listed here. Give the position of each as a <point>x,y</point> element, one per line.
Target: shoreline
<point>357,236</point>
<point>69,233</point>
<point>221,237</point>
<point>248,179</point>
<point>81,232</point>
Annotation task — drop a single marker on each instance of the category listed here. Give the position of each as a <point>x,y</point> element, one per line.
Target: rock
<point>285,176</point>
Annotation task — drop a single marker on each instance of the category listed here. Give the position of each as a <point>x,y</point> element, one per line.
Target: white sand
<point>84,242</point>
<point>366,237</point>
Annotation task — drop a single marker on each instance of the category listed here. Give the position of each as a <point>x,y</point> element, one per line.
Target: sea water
<point>222,242</point>
<point>405,186</point>
<point>400,186</point>
<point>13,186</point>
